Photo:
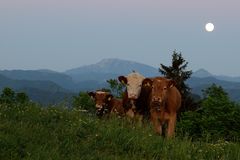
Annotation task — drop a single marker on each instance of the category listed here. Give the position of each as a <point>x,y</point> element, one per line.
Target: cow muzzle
<point>157,100</point>
<point>157,105</point>
<point>99,110</point>
<point>98,107</point>
<point>132,96</point>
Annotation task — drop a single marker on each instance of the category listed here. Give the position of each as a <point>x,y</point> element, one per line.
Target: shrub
<point>83,101</point>
<point>217,117</point>
<point>9,97</point>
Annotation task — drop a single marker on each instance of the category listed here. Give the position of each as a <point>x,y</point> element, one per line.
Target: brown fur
<point>116,106</point>
<point>164,102</point>
<point>106,103</point>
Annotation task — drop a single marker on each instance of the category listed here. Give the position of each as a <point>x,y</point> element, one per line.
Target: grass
<point>33,132</point>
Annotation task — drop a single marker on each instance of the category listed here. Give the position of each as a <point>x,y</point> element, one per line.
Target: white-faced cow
<point>133,99</point>
<point>164,102</point>
<point>106,103</point>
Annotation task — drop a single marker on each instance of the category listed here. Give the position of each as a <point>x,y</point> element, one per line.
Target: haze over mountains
<point>109,68</point>
<point>49,87</point>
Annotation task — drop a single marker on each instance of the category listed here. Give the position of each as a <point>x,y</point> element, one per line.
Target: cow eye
<point>165,88</point>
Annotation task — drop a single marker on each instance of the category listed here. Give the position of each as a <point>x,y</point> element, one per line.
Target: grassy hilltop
<point>28,131</point>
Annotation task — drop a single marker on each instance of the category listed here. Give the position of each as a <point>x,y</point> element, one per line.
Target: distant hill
<point>18,84</point>
<point>45,92</point>
<point>198,84</point>
<point>202,73</point>
<point>47,97</point>
<point>51,86</point>
<point>60,79</point>
<point>110,68</point>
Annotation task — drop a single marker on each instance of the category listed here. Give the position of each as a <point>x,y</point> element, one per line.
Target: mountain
<point>195,82</point>
<point>201,73</point>
<point>48,86</point>
<point>228,78</point>
<point>45,92</point>
<point>46,97</point>
<point>199,84</point>
<point>60,79</point>
<point>110,68</point>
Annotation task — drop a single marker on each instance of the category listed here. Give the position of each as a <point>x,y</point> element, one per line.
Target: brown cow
<point>115,105</point>
<point>106,103</point>
<point>164,102</point>
<point>131,98</point>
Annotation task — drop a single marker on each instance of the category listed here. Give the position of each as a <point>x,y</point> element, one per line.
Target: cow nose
<point>99,107</point>
<point>133,96</point>
<point>157,99</point>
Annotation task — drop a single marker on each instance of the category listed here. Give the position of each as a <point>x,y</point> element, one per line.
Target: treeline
<point>9,97</point>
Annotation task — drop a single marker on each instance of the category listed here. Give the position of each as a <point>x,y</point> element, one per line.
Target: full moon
<point>209,27</point>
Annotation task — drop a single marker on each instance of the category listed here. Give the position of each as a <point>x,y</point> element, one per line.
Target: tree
<point>216,92</point>
<point>218,117</point>
<point>84,102</point>
<point>7,96</point>
<point>177,72</point>
<point>116,87</point>
<point>22,98</point>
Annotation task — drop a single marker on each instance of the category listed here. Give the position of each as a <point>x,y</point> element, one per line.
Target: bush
<point>9,97</point>
<point>217,117</point>
<point>116,88</point>
<point>84,102</point>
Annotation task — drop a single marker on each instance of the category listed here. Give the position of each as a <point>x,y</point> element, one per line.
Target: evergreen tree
<point>177,72</point>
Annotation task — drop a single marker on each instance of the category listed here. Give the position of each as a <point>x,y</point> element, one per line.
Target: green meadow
<point>29,131</point>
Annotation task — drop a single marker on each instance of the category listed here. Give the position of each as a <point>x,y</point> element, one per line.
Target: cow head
<point>101,99</point>
<point>133,83</point>
<point>160,88</point>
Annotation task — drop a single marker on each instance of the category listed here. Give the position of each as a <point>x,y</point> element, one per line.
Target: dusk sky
<point>64,34</point>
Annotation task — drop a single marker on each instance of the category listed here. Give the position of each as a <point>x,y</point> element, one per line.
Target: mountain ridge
<point>94,76</point>
<point>111,68</point>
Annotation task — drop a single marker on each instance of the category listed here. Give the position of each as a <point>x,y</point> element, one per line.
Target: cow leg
<point>171,125</point>
<point>139,119</point>
<point>156,124</point>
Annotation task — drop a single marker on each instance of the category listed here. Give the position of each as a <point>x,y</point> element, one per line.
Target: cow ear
<point>171,83</point>
<point>122,79</point>
<point>92,94</point>
<point>109,97</point>
<point>147,82</point>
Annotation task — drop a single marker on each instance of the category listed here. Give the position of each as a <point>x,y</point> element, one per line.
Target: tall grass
<point>33,132</point>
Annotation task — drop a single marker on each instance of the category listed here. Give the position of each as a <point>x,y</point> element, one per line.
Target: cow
<point>105,103</point>
<point>164,102</point>
<point>134,97</point>
<point>115,105</point>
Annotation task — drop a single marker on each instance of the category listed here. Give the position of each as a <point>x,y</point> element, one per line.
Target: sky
<point>65,34</point>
